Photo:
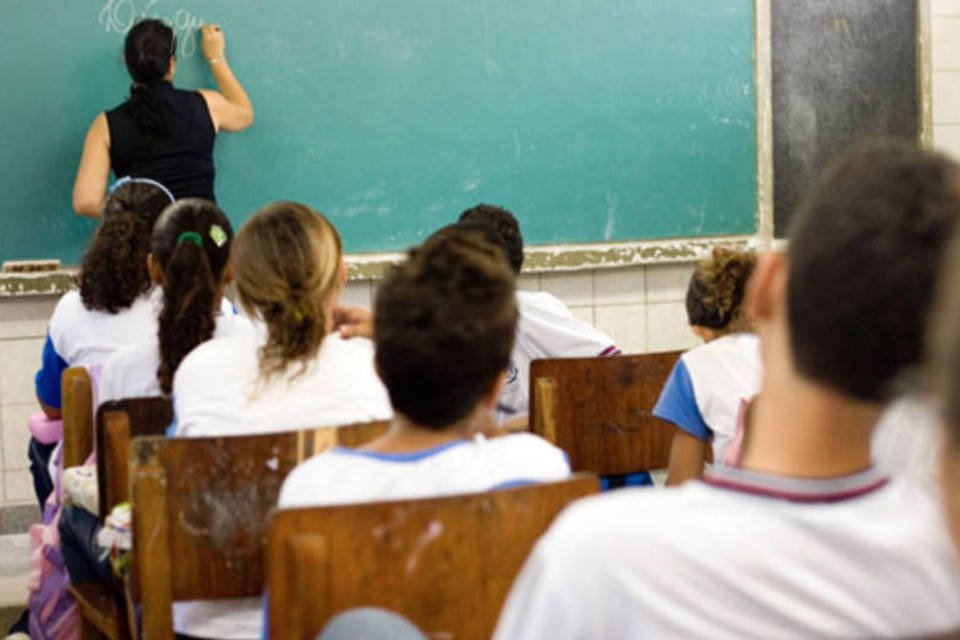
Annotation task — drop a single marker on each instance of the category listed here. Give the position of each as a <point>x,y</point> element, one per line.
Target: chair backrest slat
<point>446,563</point>
<point>211,499</point>
<point>600,410</point>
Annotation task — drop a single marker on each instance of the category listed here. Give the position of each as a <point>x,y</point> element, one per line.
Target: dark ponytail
<point>191,244</point>
<point>113,272</point>
<point>147,51</point>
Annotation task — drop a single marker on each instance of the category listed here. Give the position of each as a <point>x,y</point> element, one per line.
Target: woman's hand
<point>353,322</point>
<point>213,44</point>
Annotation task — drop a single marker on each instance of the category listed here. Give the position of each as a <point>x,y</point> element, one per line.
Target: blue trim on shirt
<point>47,380</point>
<point>513,484</point>
<point>678,404</point>
<point>412,456</point>
<point>172,429</point>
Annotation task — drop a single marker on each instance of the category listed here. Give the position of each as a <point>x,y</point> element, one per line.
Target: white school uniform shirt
<point>702,396</point>
<point>131,372</point>
<point>347,476</point>
<point>742,555</point>
<point>217,392</point>
<point>546,329</point>
<point>907,440</point>
<point>81,337</point>
<point>217,389</point>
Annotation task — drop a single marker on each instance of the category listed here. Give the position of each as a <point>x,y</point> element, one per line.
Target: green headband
<point>190,236</point>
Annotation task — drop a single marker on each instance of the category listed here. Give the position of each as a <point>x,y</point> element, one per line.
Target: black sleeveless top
<point>181,158</point>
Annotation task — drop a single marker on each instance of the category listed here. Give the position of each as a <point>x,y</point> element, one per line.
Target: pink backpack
<point>53,613</point>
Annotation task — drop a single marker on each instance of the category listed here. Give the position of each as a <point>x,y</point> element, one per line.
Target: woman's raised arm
<point>90,187</point>
<point>230,108</point>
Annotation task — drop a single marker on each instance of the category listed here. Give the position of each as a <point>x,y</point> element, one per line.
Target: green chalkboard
<point>593,120</point>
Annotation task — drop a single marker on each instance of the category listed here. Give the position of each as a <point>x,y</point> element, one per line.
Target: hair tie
<point>218,235</point>
<point>190,236</point>
<point>128,180</point>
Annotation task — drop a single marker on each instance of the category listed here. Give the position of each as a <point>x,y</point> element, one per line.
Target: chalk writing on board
<point>118,16</point>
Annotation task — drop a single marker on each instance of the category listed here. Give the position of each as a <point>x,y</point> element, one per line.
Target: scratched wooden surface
<point>118,422</point>
<point>446,564</point>
<point>202,508</point>
<point>608,432</point>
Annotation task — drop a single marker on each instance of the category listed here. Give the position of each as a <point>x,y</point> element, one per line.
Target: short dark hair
<point>444,323</point>
<point>505,224</point>
<point>864,249</point>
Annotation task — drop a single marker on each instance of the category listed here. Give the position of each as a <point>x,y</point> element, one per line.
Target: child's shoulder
<point>541,302</point>
<point>227,352</point>
<point>529,452</point>
<point>735,345</point>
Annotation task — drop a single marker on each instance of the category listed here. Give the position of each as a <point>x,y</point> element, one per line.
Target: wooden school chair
<point>76,411</point>
<point>99,608</point>
<point>118,422</point>
<point>201,513</point>
<point>600,410</point>
<point>446,563</point>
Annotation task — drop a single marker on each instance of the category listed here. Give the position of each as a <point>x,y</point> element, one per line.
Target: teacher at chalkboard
<point>161,133</point>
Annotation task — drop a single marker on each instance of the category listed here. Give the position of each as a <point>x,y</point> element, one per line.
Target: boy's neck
<point>806,430</point>
<point>406,436</point>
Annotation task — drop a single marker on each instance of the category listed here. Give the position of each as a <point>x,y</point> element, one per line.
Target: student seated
<point>546,329</point>
<point>188,260</point>
<point>189,252</point>
<point>289,274</point>
<point>703,394</point>
<point>113,306</point>
<point>807,539</point>
<point>444,326</point>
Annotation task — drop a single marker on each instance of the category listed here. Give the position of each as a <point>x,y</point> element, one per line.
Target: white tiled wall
<point>945,47</point>
<point>23,323</point>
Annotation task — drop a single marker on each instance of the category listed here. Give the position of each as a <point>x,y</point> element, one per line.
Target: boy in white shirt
<point>546,328</point>
<point>444,325</point>
<point>807,540</point>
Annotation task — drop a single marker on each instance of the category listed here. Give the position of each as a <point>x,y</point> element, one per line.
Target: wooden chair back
<point>600,410</point>
<point>201,513</point>
<point>118,422</point>
<point>446,564</point>
<point>76,411</point>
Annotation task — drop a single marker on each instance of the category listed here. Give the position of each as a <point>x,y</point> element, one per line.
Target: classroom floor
<point>14,568</point>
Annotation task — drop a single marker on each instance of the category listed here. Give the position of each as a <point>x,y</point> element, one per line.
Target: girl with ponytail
<point>160,132</point>
<point>188,260</point>
<point>112,307</point>
<point>711,385</point>
<point>289,273</point>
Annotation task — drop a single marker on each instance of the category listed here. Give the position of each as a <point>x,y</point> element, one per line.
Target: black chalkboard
<point>843,70</point>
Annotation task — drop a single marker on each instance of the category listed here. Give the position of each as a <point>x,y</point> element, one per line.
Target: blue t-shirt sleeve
<point>47,380</point>
<point>678,404</point>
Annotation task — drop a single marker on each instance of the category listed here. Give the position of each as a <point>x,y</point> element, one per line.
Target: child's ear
<point>767,287</point>
<point>154,269</point>
<point>343,273</point>
<point>228,274</point>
